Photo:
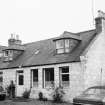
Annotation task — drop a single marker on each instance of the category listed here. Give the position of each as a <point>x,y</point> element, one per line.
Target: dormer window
<point>8,53</point>
<point>66,42</point>
<point>13,50</point>
<point>65,45</point>
<point>62,46</point>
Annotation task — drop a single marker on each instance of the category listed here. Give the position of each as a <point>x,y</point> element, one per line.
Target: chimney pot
<point>14,40</point>
<point>17,37</point>
<point>101,14</point>
<point>12,36</point>
<point>99,21</point>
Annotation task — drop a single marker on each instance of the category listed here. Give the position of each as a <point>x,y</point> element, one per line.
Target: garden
<point>10,98</point>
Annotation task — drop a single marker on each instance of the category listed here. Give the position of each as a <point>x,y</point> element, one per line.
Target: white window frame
<point>34,84</point>
<point>20,73</point>
<point>68,73</point>
<point>64,48</point>
<point>44,80</point>
<point>10,53</point>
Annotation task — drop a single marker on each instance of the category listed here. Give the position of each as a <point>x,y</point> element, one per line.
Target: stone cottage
<point>74,61</point>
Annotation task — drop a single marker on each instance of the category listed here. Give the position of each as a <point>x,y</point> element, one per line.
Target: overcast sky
<point>35,20</point>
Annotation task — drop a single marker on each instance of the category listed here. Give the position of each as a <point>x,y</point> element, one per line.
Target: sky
<point>35,20</point>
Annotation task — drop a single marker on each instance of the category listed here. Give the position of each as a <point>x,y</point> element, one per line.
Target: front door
<point>19,83</point>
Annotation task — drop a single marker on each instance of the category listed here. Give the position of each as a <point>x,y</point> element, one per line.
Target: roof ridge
<point>38,41</point>
<point>79,32</point>
<point>58,36</point>
<point>85,31</point>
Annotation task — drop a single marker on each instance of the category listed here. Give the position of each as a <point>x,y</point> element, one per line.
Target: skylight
<point>36,52</point>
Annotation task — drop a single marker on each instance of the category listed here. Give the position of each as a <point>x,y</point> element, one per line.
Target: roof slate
<point>46,52</point>
<point>15,47</point>
<point>66,35</point>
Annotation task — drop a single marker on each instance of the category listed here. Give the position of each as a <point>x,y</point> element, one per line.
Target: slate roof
<point>66,35</point>
<point>15,47</point>
<point>43,52</point>
<point>2,48</point>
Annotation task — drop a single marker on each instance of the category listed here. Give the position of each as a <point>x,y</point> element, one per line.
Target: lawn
<point>30,102</point>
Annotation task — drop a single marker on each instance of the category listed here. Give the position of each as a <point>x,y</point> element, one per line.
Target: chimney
<point>11,41</point>
<point>14,41</point>
<point>99,21</point>
<point>18,42</point>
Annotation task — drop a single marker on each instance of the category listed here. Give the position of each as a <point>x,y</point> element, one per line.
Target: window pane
<point>35,75</point>
<point>20,71</point>
<point>67,50</point>
<point>59,44</point>
<point>10,53</point>
<point>60,51</point>
<point>65,77</point>
<point>65,69</point>
<point>6,53</point>
<point>66,43</point>
<point>49,77</point>
<point>65,80</point>
<point>21,79</point>
<point>1,79</point>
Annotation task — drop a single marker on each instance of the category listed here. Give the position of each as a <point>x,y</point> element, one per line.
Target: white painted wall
<point>95,60</point>
<point>8,75</point>
<point>76,80</point>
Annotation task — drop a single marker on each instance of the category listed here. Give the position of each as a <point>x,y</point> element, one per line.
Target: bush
<point>40,96</point>
<point>58,95</point>
<point>26,94</point>
<point>10,89</point>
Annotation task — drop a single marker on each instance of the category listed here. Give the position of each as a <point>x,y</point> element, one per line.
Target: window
<point>6,53</point>
<point>60,46</point>
<point>20,78</point>
<point>1,78</point>
<point>35,78</point>
<point>64,76</point>
<point>48,77</point>
<point>65,45</point>
<point>10,53</point>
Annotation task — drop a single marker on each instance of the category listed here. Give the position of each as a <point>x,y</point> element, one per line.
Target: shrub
<point>58,94</point>
<point>26,94</point>
<point>40,96</point>
<point>10,89</point>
